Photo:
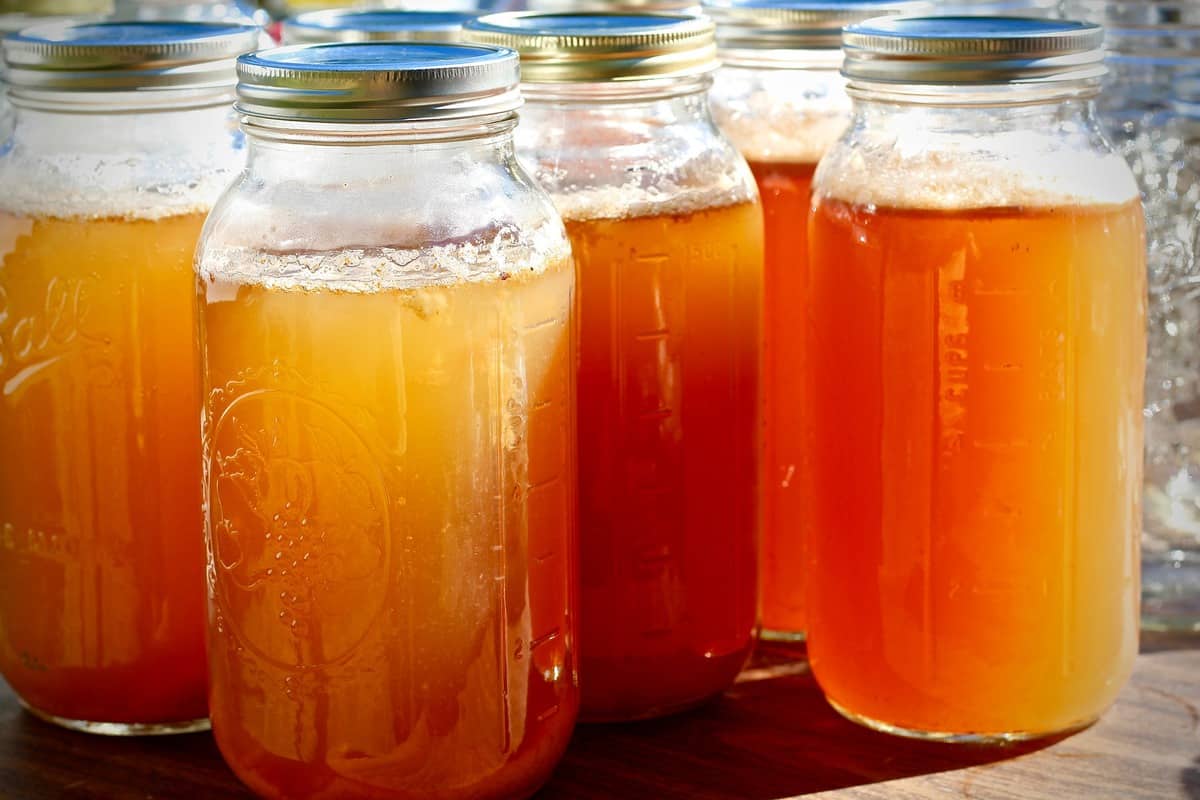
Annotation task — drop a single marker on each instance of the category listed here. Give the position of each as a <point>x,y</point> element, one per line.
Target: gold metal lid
<point>55,8</point>
<point>592,48</point>
<point>126,56</point>
<point>796,24</point>
<point>16,15</point>
<point>378,82</point>
<point>972,50</point>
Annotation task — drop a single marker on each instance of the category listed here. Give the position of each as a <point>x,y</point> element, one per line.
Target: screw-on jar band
<point>593,48</point>
<point>378,82</point>
<point>972,50</point>
<point>126,56</point>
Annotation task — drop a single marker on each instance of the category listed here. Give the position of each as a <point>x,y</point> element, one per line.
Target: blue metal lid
<point>378,81</point>
<point>349,25</point>
<point>120,56</point>
<point>564,48</point>
<point>972,50</point>
<point>796,24</point>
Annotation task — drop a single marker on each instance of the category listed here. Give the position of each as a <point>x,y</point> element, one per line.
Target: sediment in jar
<point>670,316</point>
<point>391,494</point>
<point>975,387</point>
<point>99,492</point>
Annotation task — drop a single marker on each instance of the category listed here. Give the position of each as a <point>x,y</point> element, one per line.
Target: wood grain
<point>770,737</point>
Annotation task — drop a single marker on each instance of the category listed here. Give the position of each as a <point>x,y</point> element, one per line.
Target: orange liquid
<point>393,529</point>
<point>786,191</point>
<point>669,455</point>
<point>976,392</point>
<point>101,555</point>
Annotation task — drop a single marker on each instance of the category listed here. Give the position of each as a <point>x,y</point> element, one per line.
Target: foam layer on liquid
<point>615,202</point>
<point>668,198</point>
<point>1019,169</point>
<point>792,113</point>
<point>30,198</point>
<point>506,256</point>
<point>86,186</point>
<point>790,135</point>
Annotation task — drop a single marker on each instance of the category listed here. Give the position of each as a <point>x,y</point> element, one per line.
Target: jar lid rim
<point>972,50</point>
<point>111,55</point>
<point>378,81</point>
<point>595,47</point>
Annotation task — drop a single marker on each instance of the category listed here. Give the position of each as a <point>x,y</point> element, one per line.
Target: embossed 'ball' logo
<point>300,529</point>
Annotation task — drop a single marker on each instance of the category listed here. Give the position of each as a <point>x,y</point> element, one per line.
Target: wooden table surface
<point>770,737</point>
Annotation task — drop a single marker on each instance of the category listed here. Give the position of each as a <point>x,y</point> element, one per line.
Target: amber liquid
<point>669,455</point>
<point>786,191</point>
<point>391,478</point>
<point>101,552</point>
<point>976,392</point>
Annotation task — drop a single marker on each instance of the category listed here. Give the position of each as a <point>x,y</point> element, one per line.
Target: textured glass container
<point>976,284</point>
<point>387,360</point>
<point>1150,108</point>
<point>121,144</point>
<point>666,230</point>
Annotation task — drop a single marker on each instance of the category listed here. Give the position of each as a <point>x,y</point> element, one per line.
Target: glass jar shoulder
<point>955,159</point>
<point>126,166</point>
<point>350,220</point>
<point>612,161</point>
<point>781,113</point>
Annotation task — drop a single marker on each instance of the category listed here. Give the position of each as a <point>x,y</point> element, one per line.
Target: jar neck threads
<point>120,102</point>
<point>997,95</point>
<point>617,92</point>
<point>364,134</point>
<point>1045,114</point>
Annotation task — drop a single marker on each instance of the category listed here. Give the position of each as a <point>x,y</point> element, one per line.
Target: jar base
<point>120,728</point>
<point>999,739</point>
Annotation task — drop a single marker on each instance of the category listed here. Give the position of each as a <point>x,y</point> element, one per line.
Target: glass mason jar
<point>388,353</point>
<point>122,143</point>
<point>666,229</point>
<point>780,97</point>
<point>1147,108</point>
<point>19,14</point>
<point>374,25</point>
<point>977,307</point>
